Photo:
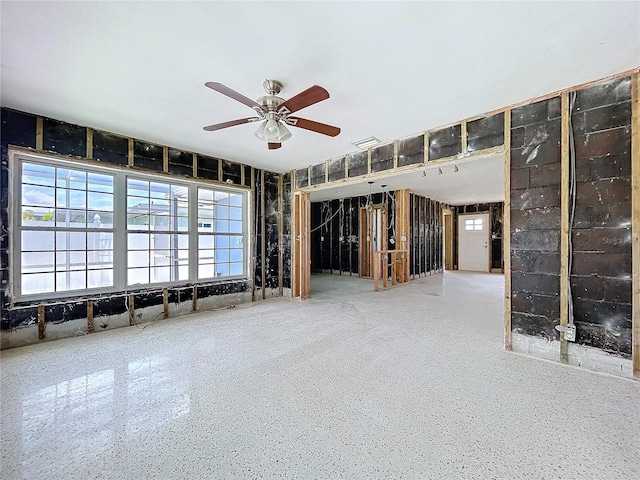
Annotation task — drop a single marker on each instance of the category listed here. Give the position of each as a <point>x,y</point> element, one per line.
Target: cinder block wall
<point>601,236</point>
<point>601,273</point>
<point>535,218</point>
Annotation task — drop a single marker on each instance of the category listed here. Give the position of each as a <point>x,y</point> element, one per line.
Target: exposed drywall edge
<point>578,355</point>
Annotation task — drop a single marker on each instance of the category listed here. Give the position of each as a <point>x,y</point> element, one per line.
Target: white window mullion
<point>120,232</point>
<point>193,232</point>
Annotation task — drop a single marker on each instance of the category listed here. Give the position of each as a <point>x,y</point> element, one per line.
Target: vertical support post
<point>41,325</point>
<point>564,224</point>
<point>394,260</point>
<point>89,142</point>
<point>165,159</point>
<point>165,302</point>
<point>395,154</point>
<point>39,133</point>
<point>254,234</point>
<point>301,246</point>
<point>263,246</point>
<point>280,232</point>
<point>90,325</point>
<point>463,135</point>
<point>195,299</point>
<point>363,252</point>
<point>195,165</point>
<point>426,147</point>
<point>376,271</point>
<point>132,311</point>
<point>130,153</point>
<point>306,291</point>
<point>635,221</point>
<point>403,219</point>
<point>506,227</point>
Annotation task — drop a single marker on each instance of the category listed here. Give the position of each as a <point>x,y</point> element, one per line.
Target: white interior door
<point>473,242</point>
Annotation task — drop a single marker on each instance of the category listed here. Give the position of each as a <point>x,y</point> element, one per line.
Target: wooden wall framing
<point>301,246</point>
<point>506,230</point>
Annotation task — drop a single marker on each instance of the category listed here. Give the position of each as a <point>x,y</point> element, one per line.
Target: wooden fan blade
<point>310,96</point>
<point>313,126</point>
<point>273,146</point>
<point>219,126</point>
<point>218,87</point>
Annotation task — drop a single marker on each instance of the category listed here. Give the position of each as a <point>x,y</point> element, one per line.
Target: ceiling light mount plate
<point>366,143</point>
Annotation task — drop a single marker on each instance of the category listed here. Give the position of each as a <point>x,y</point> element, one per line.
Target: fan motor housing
<point>270,102</point>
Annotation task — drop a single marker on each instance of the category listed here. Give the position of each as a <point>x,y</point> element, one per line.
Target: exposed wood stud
<point>295,247</point>
<point>220,170</point>
<point>369,160</point>
<point>395,154</point>
<point>195,165</point>
<point>39,133</point>
<point>280,233</point>
<point>165,302</point>
<point>89,143</point>
<point>132,312</point>
<point>90,326</point>
<point>564,224</point>
<point>242,174</point>
<point>41,325</point>
<point>426,147</point>
<point>506,230</point>
<point>254,234</point>
<point>165,159</point>
<point>463,136</point>
<point>263,246</point>
<point>131,155</point>
<point>635,221</point>
<point>306,291</point>
<point>195,299</point>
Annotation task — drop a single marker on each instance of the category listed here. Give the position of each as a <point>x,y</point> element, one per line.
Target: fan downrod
<point>272,87</point>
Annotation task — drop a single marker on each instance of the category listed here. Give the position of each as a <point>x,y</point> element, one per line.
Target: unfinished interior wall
<point>270,247</point>
<point>335,232</point>
<point>535,218</point>
<point>601,235</point>
<point>426,227</point>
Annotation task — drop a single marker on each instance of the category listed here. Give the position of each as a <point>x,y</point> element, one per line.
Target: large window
<point>220,233</point>
<point>157,232</point>
<point>85,228</point>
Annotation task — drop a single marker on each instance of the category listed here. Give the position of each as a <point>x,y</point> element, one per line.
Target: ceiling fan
<point>274,112</point>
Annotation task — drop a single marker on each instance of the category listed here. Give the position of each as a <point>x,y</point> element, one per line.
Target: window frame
<point>120,229</point>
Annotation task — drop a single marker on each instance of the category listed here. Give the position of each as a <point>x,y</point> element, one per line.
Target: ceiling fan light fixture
<point>284,133</point>
<point>271,129</point>
<point>260,133</point>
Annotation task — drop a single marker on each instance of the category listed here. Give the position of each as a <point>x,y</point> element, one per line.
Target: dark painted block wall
<point>535,218</point>
<point>19,129</point>
<point>601,234</point>
<point>335,235</point>
<point>335,232</point>
<point>426,236</point>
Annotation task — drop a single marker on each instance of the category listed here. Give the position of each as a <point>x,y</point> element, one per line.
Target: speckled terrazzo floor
<point>407,383</point>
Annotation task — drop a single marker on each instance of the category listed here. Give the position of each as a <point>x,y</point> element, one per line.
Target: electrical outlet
<point>570,333</point>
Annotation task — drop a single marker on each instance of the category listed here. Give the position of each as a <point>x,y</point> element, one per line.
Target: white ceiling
<point>393,69</point>
<point>478,180</point>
